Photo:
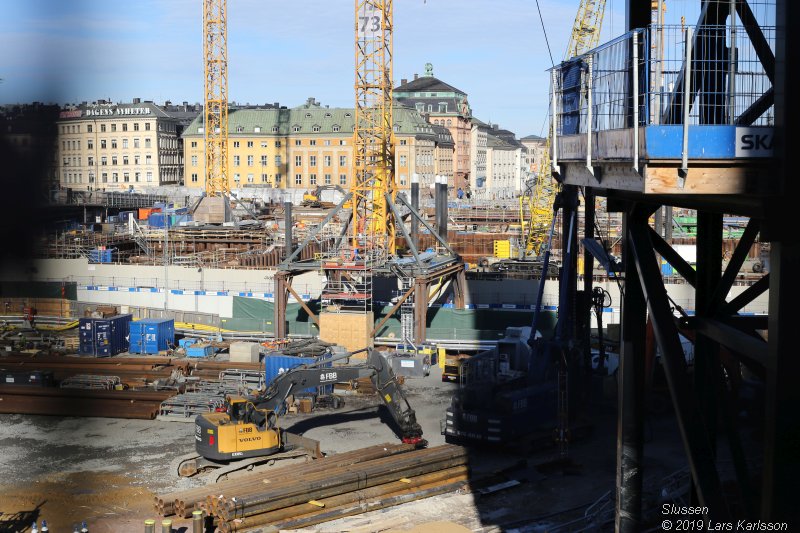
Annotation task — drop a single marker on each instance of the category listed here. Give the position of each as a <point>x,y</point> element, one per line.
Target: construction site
<point>606,351</point>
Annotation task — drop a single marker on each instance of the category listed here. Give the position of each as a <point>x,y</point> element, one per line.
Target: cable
<point>546,40</point>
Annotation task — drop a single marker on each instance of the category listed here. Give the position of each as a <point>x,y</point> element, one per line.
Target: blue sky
<point>283,51</point>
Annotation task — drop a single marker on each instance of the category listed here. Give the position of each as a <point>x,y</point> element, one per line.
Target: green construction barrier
<point>39,289</point>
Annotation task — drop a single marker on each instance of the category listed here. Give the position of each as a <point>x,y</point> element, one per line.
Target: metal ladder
<point>407,311</point>
<point>138,236</point>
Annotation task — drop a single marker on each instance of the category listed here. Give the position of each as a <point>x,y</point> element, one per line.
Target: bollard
<point>166,526</point>
<point>149,526</point>
<point>197,521</point>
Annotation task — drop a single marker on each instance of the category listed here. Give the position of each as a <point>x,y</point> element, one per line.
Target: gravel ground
<point>105,471</point>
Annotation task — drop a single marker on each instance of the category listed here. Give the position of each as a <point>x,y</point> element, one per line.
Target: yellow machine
<point>249,427</point>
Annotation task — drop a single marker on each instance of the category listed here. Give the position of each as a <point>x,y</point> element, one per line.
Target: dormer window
<point>274,129</point>
<point>308,115</point>
<point>257,129</point>
<point>239,129</point>
<point>336,127</point>
<point>295,128</point>
<point>327,115</point>
<point>348,115</point>
<point>315,127</point>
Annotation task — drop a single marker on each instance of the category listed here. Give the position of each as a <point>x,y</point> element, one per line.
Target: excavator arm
<point>376,367</point>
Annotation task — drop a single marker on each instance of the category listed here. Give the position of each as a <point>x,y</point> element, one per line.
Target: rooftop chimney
<point>403,81</point>
<point>137,100</point>
<point>275,105</point>
<point>416,75</point>
<point>311,101</point>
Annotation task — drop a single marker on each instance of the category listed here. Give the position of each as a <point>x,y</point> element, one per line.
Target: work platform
<point>624,121</point>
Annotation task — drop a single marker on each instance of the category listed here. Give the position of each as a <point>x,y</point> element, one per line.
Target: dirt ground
<point>106,471</point>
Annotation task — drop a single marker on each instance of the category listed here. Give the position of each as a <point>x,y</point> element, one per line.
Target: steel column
<point>420,310</point>
<point>281,298</point>
<point>693,431</point>
<point>588,274</point>
<point>287,230</point>
<point>630,404</point>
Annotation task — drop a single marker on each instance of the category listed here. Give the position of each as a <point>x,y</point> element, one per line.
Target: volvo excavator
<point>249,427</point>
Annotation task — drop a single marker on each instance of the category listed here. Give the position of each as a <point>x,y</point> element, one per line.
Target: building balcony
<point>625,121</point>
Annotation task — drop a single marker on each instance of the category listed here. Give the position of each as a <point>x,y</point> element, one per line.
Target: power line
<point>544,30</point>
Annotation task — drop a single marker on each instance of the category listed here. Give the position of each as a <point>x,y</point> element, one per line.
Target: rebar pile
<point>325,489</point>
<point>35,400</point>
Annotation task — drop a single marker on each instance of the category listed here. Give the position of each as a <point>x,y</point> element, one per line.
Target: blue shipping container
<point>152,335</point>
<point>100,256</point>
<point>277,363</point>
<point>104,337</point>
<point>199,350</point>
<point>156,220</point>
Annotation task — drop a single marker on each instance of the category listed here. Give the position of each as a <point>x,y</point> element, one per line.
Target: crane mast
<point>373,229</point>
<point>215,96</point>
<point>537,202</point>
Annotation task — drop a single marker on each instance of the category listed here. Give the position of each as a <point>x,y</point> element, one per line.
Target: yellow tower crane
<point>536,202</point>
<point>373,229</point>
<point>215,206</point>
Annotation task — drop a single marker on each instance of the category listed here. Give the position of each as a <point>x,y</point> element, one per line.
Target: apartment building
<point>111,146</point>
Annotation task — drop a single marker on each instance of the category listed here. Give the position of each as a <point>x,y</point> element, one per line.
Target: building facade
<point>305,147</point>
<point>478,174</point>
<point>534,153</point>
<point>445,148</point>
<point>503,169</point>
<point>442,105</point>
<point>118,146</point>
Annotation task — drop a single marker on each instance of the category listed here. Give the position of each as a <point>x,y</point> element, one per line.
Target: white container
<point>245,352</point>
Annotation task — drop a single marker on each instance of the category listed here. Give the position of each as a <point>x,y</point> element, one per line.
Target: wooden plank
<point>706,180</point>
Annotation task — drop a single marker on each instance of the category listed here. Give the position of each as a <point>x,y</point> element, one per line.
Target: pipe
<point>149,526</point>
<point>197,521</point>
<point>287,230</point>
<point>166,526</point>
<point>415,205</point>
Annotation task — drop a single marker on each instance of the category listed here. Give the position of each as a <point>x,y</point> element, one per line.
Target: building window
<point>91,161</point>
<point>136,143</point>
<point>147,143</point>
<point>249,178</point>
<point>403,142</point>
<point>263,144</point>
<point>327,160</point>
<point>298,142</point>
<point>114,160</point>
<point>113,127</point>
<point>239,129</point>
<point>104,160</point>
<point>396,128</point>
<point>430,108</point>
<point>115,177</point>
<point>295,129</point>
<point>402,160</point>
<point>105,177</point>
<point>312,160</point>
<point>236,144</point>
<point>327,179</point>
<point>277,144</point>
<point>137,176</point>
<point>249,160</point>
<point>336,128</point>
<point>312,142</point>
<point>113,144</point>
<point>147,128</point>
<point>342,160</point>
<point>348,115</point>
<point>194,160</point>
<point>91,177</point>
<point>136,160</point>
<point>298,160</point>
<point>277,178</point>
<point>402,179</point>
<point>237,178</point>
<point>342,179</point>
<point>257,129</point>
<point>149,174</point>
<point>442,107</point>
<point>263,178</point>
<point>278,160</point>
<point>124,143</point>
<point>194,143</point>
<point>327,142</point>
<point>298,179</point>
<point>449,122</point>
<point>103,144</point>
<point>263,160</point>
<point>249,144</point>
<point>148,160</point>
<point>89,130</point>
<point>274,129</point>
<point>136,128</point>
<point>126,177</point>
<point>90,144</point>
<point>125,128</point>
<point>342,142</point>
<point>125,160</point>
<point>194,177</point>
<point>315,128</point>
<point>102,128</point>
<point>312,179</point>
<point>236,161</point>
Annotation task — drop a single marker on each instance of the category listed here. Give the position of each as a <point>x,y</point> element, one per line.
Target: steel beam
<point>748,295</point>
<point>281,298</point>
<point>693,431</point>
<point>673,258</point>
<point>305,307</point>
<point>313,233</point>
<point>420,310</point>
<point>724,285</point>
<point>402,227</point>
<point>428,227</point>
<point>392,311</point>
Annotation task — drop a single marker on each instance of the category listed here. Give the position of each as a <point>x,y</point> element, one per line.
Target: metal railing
<point>639,79</point>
